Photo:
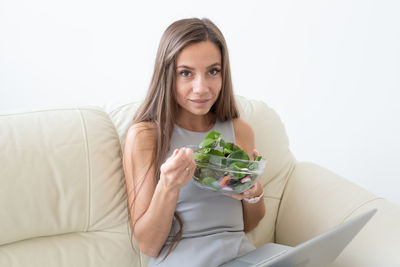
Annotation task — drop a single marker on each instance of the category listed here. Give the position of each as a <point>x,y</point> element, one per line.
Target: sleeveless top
<point>212,222</point>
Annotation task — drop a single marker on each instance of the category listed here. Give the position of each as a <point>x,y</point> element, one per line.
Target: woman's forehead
<point>203,54</point>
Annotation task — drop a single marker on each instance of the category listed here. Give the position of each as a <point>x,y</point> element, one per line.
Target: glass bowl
<point>224,174</point>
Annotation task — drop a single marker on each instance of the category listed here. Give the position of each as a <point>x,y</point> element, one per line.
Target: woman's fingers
<point>183,163</point>
<point>179,167</point>
<point>251,191</point>
<point>178,156</point>
<point>254,191</point>
<point>191,164</point>
<point>174,155</point>
<point>255,154</point>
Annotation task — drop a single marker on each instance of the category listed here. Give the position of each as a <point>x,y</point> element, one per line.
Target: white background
<point>331,69</point>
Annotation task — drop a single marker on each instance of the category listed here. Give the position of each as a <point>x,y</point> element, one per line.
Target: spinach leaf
<point>207,143</point>
<point>239,154</point>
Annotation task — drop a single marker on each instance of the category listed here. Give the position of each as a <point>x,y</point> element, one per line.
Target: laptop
<point>318,251</point>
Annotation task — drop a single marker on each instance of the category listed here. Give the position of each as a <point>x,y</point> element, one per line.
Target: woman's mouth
<point>200,103</point>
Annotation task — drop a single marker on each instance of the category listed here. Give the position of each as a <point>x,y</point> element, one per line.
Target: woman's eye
<point>185,73</point>
<point>214,71</point>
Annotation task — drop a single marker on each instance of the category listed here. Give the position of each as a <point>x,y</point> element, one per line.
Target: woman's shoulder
<point>241,126</point>
<point>244,134</point>
<point>144,127</point>
<point>141,132</point>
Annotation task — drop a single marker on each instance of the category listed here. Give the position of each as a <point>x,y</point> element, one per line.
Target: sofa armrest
<point>316,200</point>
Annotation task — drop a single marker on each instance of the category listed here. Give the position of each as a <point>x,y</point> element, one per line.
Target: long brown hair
<point>160,106</point>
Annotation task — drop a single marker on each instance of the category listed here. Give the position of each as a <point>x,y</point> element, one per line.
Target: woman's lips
<point>200,102</point>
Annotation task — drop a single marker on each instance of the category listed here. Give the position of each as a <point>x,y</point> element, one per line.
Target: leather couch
<point>63,196</point>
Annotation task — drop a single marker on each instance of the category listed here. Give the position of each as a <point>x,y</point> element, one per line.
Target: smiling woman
<point>198,84</point>
<point>174,221</point>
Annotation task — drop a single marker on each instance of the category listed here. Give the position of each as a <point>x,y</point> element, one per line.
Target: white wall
<point>329,68</point>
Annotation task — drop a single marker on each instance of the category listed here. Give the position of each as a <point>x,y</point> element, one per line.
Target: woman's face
<point>198,77</point>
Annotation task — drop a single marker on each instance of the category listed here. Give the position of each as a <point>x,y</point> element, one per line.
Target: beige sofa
<point>63,199</point>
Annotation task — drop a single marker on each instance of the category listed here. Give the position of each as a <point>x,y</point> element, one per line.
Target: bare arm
<point>151,203</point>
<point>252,212</point>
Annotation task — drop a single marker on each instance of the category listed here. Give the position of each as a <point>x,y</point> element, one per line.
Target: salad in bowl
<point>223,166</point>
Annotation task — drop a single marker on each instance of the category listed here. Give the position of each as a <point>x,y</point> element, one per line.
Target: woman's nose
<point>200,84</point>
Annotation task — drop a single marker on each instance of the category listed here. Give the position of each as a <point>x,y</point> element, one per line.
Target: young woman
<point>173,221</point>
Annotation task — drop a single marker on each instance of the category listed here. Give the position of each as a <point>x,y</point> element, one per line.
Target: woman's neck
<point>196,123</point>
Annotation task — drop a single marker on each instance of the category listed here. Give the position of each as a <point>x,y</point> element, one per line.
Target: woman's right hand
<point>178,169</point>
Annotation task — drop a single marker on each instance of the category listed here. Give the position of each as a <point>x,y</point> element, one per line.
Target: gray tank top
<point>212,222</point>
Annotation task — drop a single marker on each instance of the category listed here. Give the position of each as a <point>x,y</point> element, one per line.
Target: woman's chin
<point>200,112</point>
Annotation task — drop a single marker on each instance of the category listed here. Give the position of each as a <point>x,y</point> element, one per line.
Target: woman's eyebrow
<point>184,67</point>
<point>215,64</point>
<point>190,68</point>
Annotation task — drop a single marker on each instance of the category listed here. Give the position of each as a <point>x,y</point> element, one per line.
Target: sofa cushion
<point>80,249</point>
<point>61,173</point>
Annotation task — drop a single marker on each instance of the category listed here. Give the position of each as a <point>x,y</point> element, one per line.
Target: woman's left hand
<point>254,191</point>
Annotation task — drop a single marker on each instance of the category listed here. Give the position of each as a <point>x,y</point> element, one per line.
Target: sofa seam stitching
<point>88,169</point>
<point>293,166</point>
<point>115,132</point>
<point>359,206</point>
